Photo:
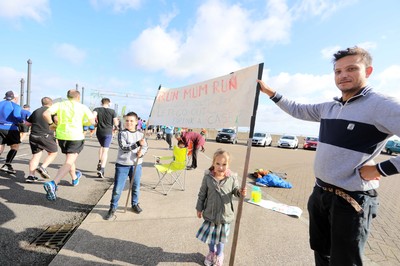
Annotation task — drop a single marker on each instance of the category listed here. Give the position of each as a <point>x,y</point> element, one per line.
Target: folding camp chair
<point>170,174</point>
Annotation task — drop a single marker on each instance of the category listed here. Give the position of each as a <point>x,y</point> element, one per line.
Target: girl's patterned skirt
<point>211,233</point>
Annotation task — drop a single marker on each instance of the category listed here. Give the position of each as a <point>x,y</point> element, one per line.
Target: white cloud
<point>322,8</point>
<point>388,81</point>
<point>367,45</point>
<point>10,79</point>
<point>327,52</point>
<point>70,53</point>
<point>118,6</point>
<point>221,39</point>
<point>37,10</point>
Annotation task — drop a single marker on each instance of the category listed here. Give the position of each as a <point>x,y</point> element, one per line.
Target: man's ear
<point>368,71</point>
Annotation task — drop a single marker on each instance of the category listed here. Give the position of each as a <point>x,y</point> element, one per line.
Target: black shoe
<point>98,166</point>
<point>110,214</point>
<point>31,179</point>
<point>43,172</point>
<point>136,209</point>
<point>100,173</point>
<point>190,168</point>
<point>8,169</point>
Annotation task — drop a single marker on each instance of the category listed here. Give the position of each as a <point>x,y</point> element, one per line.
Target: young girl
<point>215,205</point>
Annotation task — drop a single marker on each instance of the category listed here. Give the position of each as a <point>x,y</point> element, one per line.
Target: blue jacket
<point>10,115</point>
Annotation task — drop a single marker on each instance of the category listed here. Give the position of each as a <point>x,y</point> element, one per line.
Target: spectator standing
<point>132,147</point>
<point>71,117</point>
<point>214,205</point>
<point>10,117</point>
<point>353,130</point>
<point>139,124</point>
<point>197,142</point>
<point>169,131</point>
<point>107,120</point>
<point>144,125</point>
<point>23,127</point>
<point>41,138</point>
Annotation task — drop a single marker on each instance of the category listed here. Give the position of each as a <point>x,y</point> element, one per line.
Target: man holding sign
<point>353,130</point>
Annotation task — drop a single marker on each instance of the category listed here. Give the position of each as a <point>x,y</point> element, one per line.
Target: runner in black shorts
<point>71,146</point>
<point>41,139</point>
<point>106,121</point>
<point>10,117</point>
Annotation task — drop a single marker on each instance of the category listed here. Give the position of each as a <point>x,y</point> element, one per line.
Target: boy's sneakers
<point>43,172</point>
<point>31,179</point>
<point>100,173</point>
<point>210,259</point>
<point>110,214</point>
<point>99,166</point>
<point>136,209</point>
<point>8,169</point>
<point>220,260</point>
<point>51,189</point>
<point>75,182</point>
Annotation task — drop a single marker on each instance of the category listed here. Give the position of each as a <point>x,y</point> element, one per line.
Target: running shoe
<point>31,179</point>
<point>8,169</point>
<point>100,173</point>
<point>50,188</point>
<point>75,182</point>
<point>43,172</point>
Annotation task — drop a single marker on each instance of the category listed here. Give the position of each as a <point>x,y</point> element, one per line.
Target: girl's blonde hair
<point>220,152</point>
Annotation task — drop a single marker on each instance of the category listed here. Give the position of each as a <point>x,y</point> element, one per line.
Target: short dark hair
<point>46,101</point>
<point>365,55</point>
<point>132,114</point>
<point>73,94</point>
<point>105,100</point>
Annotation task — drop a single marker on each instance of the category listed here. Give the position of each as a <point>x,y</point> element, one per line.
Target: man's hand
<point>265,88</point>
<point>369,172</point>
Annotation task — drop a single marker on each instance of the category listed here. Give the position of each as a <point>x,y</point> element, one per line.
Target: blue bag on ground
<point>273,180</point>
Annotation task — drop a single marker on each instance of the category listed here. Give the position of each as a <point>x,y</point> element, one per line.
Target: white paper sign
<point>225,101</point>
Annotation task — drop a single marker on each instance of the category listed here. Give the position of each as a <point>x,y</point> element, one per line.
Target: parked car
<point>310,143</point>
<point>392,146</point>
<point>261,139</point>
<point>288,141</point>
<point>227,135</point>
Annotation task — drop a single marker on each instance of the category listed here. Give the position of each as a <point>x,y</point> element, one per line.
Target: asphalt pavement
<point>164,233</point>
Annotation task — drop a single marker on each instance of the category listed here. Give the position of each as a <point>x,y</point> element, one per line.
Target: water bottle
<point>256,194</point>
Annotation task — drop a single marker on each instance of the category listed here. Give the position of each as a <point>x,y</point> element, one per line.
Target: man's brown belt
<point>345,196</point>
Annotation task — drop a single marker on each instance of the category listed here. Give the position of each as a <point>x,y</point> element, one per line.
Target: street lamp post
<point>83,93</point>
<point>21,97</point>
<point>28,86</point>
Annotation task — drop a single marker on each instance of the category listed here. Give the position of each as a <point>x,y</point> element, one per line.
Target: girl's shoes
<point>219,260</point>
<point>210,259</point>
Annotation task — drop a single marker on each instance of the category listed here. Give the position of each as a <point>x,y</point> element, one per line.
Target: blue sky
<point>133,46</point>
